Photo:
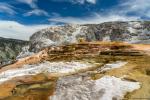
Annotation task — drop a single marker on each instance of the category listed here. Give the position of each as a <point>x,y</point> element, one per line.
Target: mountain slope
<point>132,32</point>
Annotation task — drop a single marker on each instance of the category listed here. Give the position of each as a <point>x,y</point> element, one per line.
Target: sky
<point>19,19</point>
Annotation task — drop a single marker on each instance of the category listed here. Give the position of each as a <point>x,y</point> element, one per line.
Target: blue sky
<point>40,11</point>
<point>33,15</point>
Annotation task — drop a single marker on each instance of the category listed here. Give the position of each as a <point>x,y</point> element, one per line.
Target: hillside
<point>9,49</point>
<point>131,32</point>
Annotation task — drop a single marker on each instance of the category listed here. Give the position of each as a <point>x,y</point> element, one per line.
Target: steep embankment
<point>9,49</point>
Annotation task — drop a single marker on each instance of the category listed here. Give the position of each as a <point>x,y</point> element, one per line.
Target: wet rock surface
<point>82,88</point>
<point>125,69</point>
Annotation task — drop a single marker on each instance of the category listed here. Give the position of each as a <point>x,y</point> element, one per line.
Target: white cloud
<point>139,7</point>
<point>84,1</point>
<point>31,3</point>
<point>37,12</point>
<point>94,19</point>
<point>6,8</point>
<point>135,5</point>
<point>126,10</point>
<point>12,29</point>
<point>77,1</point>
<point>91,1</point>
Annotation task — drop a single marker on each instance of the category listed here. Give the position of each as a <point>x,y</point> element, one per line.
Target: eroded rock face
<point>132,32</point>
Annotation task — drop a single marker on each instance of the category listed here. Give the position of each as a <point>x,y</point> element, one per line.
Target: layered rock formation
<point>79,72</point>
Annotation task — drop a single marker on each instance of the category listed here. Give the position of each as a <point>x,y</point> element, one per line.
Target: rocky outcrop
<point>132,32</point>
<point>56,35</point>
<point>9,49</point>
